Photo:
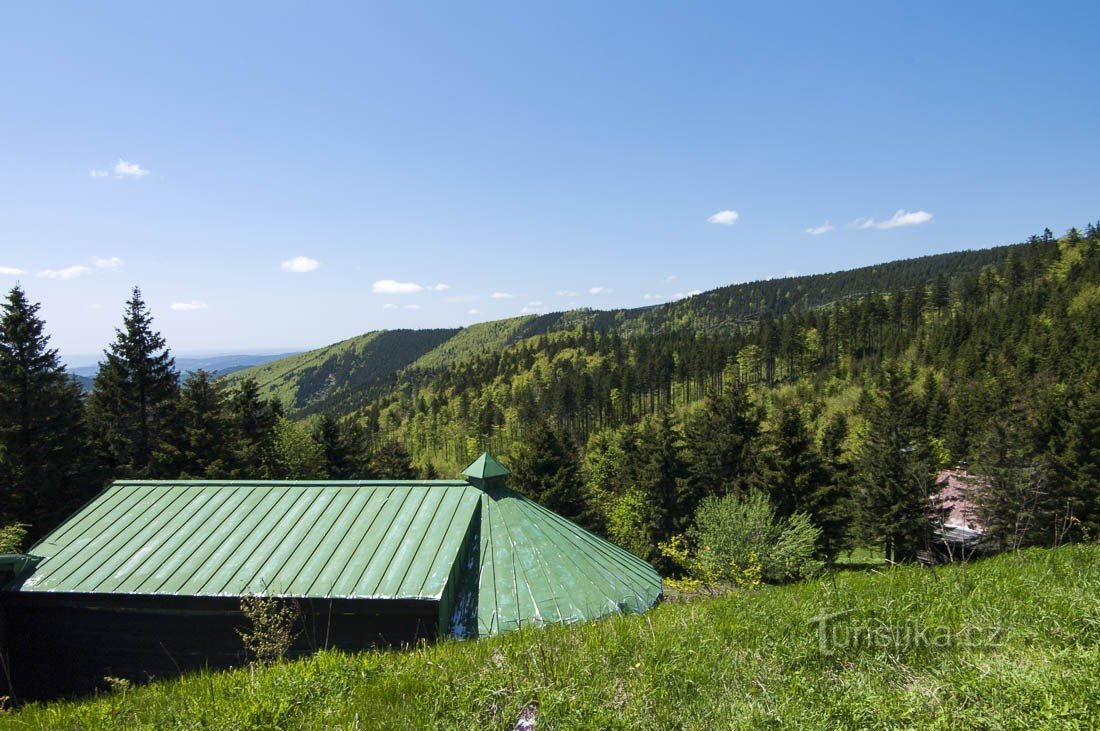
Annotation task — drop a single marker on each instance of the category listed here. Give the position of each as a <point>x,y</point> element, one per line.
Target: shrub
<point>739,540</point>
<point>274,626</point>
<point>11,537</point>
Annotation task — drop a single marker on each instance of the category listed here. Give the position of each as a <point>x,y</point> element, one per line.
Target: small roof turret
<point>486,467</point>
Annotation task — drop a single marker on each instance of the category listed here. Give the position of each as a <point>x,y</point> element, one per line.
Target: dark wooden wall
<point>61,645</point>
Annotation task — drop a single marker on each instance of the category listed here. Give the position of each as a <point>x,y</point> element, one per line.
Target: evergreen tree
<point>1014,483</point>
<point>206,448</point>
<point>547,468</point>
<point>791,469</point>
<point>391,461</point>
<point>830,504</point>
<point>1075,498</point>
<point>42,436</point>
<point>253,420</point>
<point>722,444</point>
<point>663,479</point>
<point>896,469</point>
<point>133,409</point>
<point>339,462</point>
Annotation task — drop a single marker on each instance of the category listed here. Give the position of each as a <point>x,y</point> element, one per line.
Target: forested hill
<point>343,377</point>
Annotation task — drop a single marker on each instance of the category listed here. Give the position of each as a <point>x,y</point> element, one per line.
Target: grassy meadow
<point>1011,642</point>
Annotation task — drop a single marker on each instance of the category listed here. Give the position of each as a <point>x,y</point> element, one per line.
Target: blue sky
<point>587,154</point>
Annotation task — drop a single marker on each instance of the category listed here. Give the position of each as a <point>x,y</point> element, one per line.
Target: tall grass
<point>1012,642</point>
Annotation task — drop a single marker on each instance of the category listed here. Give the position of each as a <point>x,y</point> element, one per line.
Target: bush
<point>11,537</point>
<point>274,626</point>
<point>735,537</point>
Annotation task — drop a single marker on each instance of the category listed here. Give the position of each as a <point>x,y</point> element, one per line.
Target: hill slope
<point>341,377</point>
<point>323,375</point>
<point>1006,643</point>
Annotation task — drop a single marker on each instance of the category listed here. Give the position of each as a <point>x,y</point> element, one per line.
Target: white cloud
<point>566,293</point>
<point>412,307</point>
<point>598,290</point>
<point>901,217</point>
<point>440,287</point>
<point>99,173</point>
<point>392,286</point>
<point>502,295</point>
<point>473,312</point>
<point>670,279</point>
<point>818,230</point>
<point>651,297</point>
<point>726,218</point>
<point>300,265</point>
<point>531,308</point>
<point>10,271</point>
<point>126,169</point>
<point>188,306</point>
<point>683,295</point>
<point>113,263</point>
<point>68,273</point>
<point>389,306</point>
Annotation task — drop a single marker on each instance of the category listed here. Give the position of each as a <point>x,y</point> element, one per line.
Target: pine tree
<point>42,435</point>
<point>134,406</point>
<point>207,439</point>
<point>896,469</point>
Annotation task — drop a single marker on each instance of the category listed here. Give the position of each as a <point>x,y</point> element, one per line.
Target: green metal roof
<point>493,559</point>
<point>486,467</point>
<point>303,539</point>
<point>539,568</point>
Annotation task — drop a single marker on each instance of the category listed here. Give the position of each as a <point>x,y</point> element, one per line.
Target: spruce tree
<point>721,444</point>
<point>253,420</point>
<point>896,469</point>
<point>547,468</point>
<point>1075,499</point>
<point>42,435</point>
<point>663,479</point>
<point>134,405</point>
<point>207,437</point>
<point>391,461</point>
<point>830,504</point>
<point>339,455</point>
<point>791,467</point>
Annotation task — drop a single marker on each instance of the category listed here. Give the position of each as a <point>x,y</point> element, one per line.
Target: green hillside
<point>320,377</point>
<point>1005,643</point>
<point>345,376</point>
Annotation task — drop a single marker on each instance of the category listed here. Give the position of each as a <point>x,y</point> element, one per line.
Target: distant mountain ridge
<point>219,365</point>
<point>337,378</point>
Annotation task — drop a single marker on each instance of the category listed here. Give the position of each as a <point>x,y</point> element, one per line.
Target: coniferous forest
<point>838,397</point>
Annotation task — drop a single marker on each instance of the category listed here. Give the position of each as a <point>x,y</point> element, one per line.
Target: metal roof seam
<point>160,539</point>
<point>242,539</point>
<point>339,543</point>
<point>405,532</point>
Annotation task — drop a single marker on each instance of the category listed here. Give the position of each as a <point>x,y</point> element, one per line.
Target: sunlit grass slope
<point>1012,642</point>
